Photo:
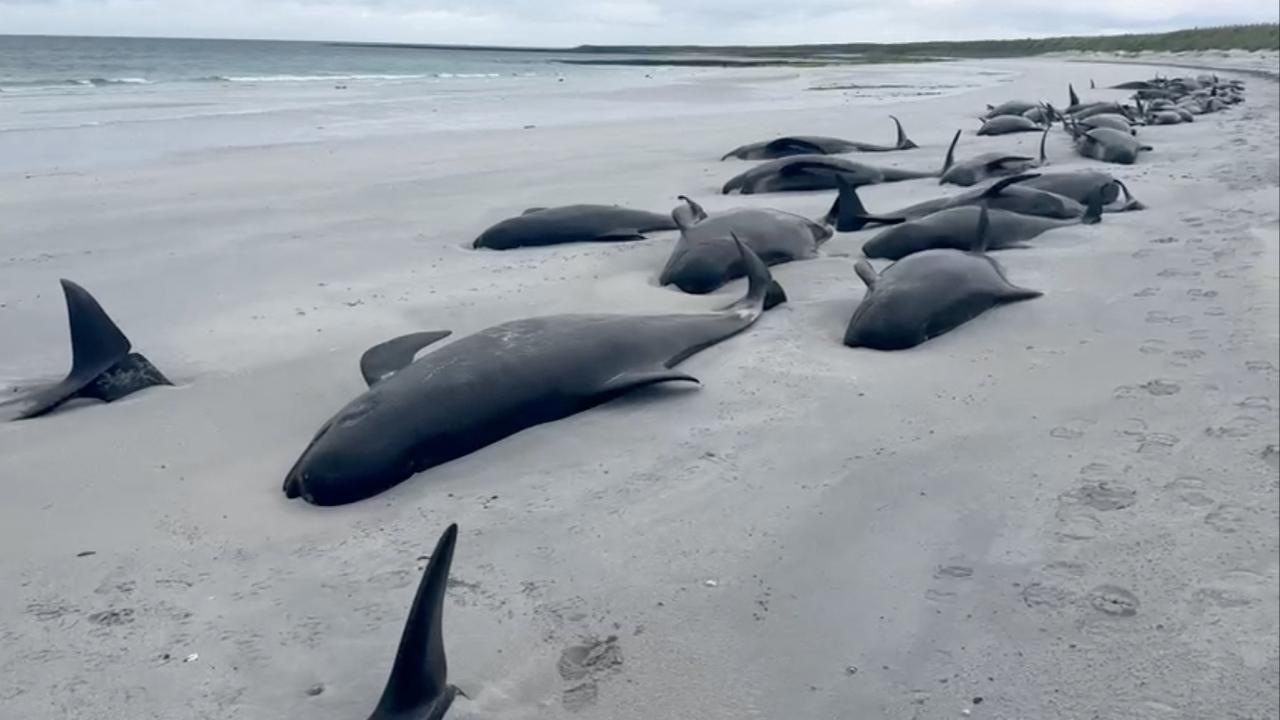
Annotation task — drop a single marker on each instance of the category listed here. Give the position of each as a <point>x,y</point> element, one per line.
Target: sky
<point>559,23</point>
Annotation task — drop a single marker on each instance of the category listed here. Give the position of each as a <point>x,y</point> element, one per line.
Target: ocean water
<point>72,103</point>
<point>45,64</point>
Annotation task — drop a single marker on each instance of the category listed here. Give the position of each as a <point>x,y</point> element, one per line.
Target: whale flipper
<point>385,359</point>
<point>999,163</point>
<point>619,234</point>
<point>999,186</point>
<point>866,273</point>
<point>625,382</point>
<point>418,686</point>
<point>101,365</point>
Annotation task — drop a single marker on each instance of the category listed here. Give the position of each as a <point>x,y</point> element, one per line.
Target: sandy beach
<point>1065,509</point>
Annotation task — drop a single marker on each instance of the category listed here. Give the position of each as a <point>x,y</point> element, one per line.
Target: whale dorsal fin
<point>980,240</point>
<point>848,213</point>
<point>903,142</point>
<point>532,210</point>
<point>418,679</point>
<point>96,341</point>
<point>951,154</point>
<point>97,344</point>
<point>866,273</point>
<point>1075,99</point>
<point>386,359</point>
<point>1044,160</point>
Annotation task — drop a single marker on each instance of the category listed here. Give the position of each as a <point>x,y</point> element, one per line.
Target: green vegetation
<point>1241,37</point>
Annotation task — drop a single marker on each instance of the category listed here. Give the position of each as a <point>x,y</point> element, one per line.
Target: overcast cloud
<point>573,22</point>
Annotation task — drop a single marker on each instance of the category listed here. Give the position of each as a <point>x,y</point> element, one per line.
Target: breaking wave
<point>53,84</point>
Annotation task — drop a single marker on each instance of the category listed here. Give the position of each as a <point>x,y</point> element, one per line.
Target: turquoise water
<point>76,103</point>
<point>38,63</point>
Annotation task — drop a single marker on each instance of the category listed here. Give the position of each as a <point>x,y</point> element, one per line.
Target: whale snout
<point>292,486</point>
<point>295,483</point>
<point>337,474</point>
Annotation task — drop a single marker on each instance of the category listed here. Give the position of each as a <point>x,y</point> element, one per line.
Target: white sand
<point>958,521</point>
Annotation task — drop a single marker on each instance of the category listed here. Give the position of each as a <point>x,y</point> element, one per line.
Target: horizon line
<point>623,47</point>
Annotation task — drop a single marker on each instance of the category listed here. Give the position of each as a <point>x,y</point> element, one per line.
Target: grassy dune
<point>1232,37</point>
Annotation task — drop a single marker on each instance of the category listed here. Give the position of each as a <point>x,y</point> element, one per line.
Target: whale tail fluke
<point>418,686</point>
<point>1131,202</point>
<point>688,214</point>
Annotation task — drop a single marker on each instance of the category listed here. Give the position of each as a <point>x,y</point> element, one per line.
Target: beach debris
<point>191,658</point>
<point>315,690</point>
<point>86,553</point>
<point>711,583</point>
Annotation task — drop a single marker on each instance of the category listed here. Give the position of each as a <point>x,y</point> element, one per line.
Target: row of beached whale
<point>418,413</point>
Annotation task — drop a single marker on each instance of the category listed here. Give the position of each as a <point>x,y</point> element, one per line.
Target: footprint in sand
<point>1152,346</point>
<point>1160,317</point>
<point>1190,491</point>
<point>583,666</point>
<point>1046,596</point>
<point>1114,601</point>
<point>112,618</point>
<point>1077,524</point>
<point>1071,431</point>
<point>947,573</point>
<point>1271,455</point>
<point>1104,496</point>
<point>1226,519</point>
<point>1155,443</point>
<point>1238,427</point>
<point>1161,388</point>
<point>1260,366</point>
<point>1234,589</point>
